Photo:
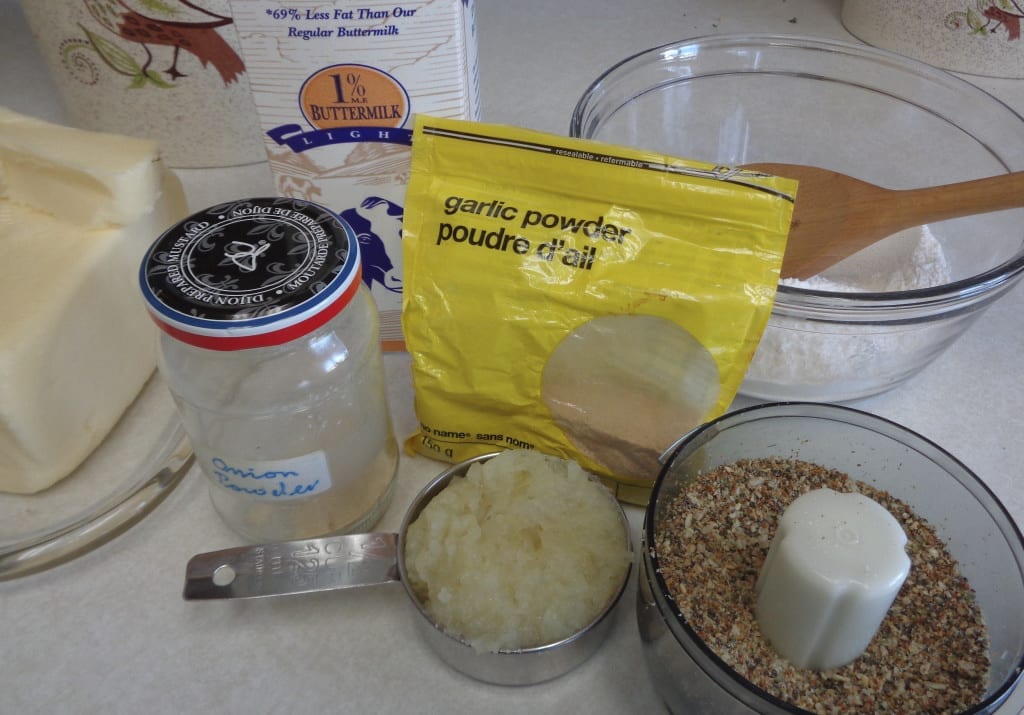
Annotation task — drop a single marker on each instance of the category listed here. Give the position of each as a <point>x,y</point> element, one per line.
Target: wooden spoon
<point>837,215</point>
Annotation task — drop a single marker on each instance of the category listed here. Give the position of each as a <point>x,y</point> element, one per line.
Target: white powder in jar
<point>796,352</point>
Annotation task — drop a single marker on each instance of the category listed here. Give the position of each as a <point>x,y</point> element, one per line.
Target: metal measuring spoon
<point>356,560</point>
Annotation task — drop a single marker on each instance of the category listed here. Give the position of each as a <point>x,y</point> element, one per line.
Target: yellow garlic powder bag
<point>589,301</point>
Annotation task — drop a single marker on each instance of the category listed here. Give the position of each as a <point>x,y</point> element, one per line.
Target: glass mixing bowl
<point>878,116</point>
<point>967,516</point>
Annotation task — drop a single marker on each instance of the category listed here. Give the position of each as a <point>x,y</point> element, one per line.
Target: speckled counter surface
<point>110,633</point>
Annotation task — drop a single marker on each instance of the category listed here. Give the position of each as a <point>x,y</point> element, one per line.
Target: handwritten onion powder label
<point>273,479</point>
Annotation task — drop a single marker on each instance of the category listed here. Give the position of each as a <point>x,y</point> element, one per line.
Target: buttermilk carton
<point>336,85</point>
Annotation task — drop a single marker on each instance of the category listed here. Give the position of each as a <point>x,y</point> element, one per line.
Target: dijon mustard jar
<point>270,347</point>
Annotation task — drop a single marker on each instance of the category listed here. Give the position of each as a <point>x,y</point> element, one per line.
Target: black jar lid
<point>251,273</point>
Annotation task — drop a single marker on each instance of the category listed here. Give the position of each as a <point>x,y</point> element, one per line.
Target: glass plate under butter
<point>136,466</point>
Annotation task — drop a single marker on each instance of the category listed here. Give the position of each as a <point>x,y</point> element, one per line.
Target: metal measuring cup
<point>357,560</point>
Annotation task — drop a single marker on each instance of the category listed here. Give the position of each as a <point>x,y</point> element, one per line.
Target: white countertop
<point>109,632</point>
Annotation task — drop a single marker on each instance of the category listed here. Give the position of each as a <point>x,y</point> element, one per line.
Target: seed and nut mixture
<point>931,653</point>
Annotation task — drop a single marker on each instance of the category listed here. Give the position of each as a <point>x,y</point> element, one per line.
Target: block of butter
<point>89,178</point>
<point>77,211</point>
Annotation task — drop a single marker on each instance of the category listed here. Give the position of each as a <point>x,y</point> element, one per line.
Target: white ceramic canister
<point>169,71</point>
<point>270,345</point>
<point>979,37</point>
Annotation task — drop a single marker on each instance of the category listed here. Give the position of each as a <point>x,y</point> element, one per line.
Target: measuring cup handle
<point>289,567</point>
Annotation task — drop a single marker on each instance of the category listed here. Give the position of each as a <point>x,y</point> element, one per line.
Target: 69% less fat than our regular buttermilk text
<point>340,15</point>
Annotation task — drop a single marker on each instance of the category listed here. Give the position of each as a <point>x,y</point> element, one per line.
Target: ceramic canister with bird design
<point>169,70</point>
<point>336,86</point>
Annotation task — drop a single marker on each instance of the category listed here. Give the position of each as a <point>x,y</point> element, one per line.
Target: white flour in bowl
<point>926,266</point>
<point>795,352</point>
